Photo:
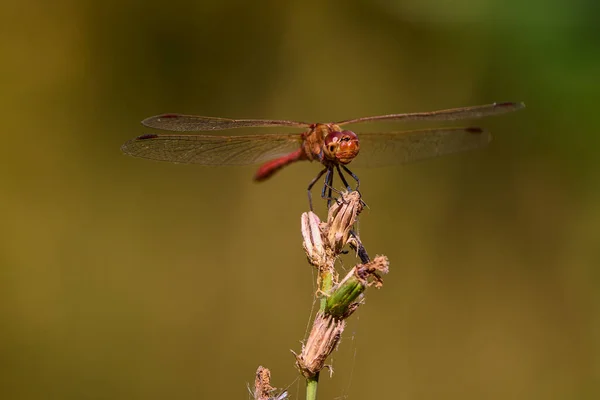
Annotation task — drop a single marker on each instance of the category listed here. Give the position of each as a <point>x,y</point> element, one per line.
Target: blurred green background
<point>123,278</point>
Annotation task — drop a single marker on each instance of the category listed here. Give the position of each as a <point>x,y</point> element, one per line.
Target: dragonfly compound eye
<point>331,144</point>
<point>348,147</point>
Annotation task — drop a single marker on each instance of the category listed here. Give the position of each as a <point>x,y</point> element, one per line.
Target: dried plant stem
<point>323,243</point>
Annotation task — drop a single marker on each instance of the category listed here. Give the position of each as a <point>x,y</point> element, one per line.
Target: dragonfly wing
<point>381,149</point>
<point>444,115</point>
<point>212,150</point>
<point>189,123</point>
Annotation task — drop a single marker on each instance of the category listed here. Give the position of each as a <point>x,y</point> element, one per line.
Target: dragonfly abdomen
<point>270,167</point>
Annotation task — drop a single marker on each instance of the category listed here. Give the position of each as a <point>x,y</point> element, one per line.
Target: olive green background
<point>123,278</point>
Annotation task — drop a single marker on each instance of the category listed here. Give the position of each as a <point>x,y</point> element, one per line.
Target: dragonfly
<point>327,143</point>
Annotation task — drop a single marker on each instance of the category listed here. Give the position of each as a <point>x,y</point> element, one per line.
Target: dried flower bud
<point>313,239</point>
<point>323,339</point>
<point>341,218</point>
<point>263,388</point>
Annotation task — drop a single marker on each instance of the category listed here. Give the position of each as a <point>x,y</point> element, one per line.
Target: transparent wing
<point>444,115</point>
<point>189,123</point>
<point>381,149</point>
<point>212,150</point>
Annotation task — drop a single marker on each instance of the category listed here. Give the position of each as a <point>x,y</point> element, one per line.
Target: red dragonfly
<point>327,143</point>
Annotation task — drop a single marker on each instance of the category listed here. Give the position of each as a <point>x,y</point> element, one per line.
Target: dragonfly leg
<point>327,184</point>
<point>353,176</point>
<point>339,199</point>
<point>337,166</point>
<point>360,249</point>
<point>312,183</point>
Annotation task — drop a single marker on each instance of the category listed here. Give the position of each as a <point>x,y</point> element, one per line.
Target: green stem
<point>311,387</point>
<point>326,285</point>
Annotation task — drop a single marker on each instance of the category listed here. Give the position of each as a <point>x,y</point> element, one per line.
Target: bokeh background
<point>123,278</point>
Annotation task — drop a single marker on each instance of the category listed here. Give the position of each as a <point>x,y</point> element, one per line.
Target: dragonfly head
<point>341,146</point>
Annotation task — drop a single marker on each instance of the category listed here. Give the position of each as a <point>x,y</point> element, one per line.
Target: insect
<point>327,143</point>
